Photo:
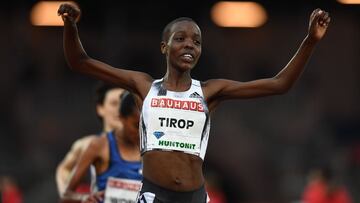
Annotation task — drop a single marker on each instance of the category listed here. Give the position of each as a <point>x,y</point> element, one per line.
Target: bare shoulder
<point>98,148</point>
<point>83,142</point>
<point>77,148</point>
<point>97,142</point>
<point>212,87</point>
<point>144,76</point>
<point>215,91</point>
<point>143,82</point>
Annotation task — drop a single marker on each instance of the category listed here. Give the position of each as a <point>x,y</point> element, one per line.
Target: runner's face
<point>131,126</point>
<point>109,110</point>
<point>183,48</point>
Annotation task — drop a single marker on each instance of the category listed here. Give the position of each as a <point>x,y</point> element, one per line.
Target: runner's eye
<point>197,42</point>
<point>179,39</point>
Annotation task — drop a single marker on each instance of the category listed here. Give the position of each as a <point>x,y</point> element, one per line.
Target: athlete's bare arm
<point>95,197</point>
<point>217,90</point>
<point>92,154</point>
<point>137,82</point>
<point>68,163</point>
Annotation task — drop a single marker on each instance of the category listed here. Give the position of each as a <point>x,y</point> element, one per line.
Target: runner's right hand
<point>69,12</point>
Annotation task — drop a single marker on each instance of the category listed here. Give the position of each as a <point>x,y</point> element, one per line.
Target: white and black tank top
<point>175,121</point>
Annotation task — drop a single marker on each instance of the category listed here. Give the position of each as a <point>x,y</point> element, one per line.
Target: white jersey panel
<point>176,121</point>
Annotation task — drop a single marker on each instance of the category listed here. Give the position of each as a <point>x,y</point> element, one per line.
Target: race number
<point>119,190</point>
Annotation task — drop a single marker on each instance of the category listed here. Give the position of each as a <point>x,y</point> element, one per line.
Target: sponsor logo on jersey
<point>177,104</point>
<point>180,145</point>
<point>195,95</point>
<point>158,134</point>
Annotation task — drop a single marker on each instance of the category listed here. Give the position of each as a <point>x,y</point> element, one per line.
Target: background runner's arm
<point>89,156</point>
<point>64,168</point>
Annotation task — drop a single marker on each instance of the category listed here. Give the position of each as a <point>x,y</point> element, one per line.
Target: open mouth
<point>187,57</point>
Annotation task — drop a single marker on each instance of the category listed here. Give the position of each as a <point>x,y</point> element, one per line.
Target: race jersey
<point>175,121</point>
<point>118,167</point>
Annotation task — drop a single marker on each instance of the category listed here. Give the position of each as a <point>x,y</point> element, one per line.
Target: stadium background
<point>260,150</point>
